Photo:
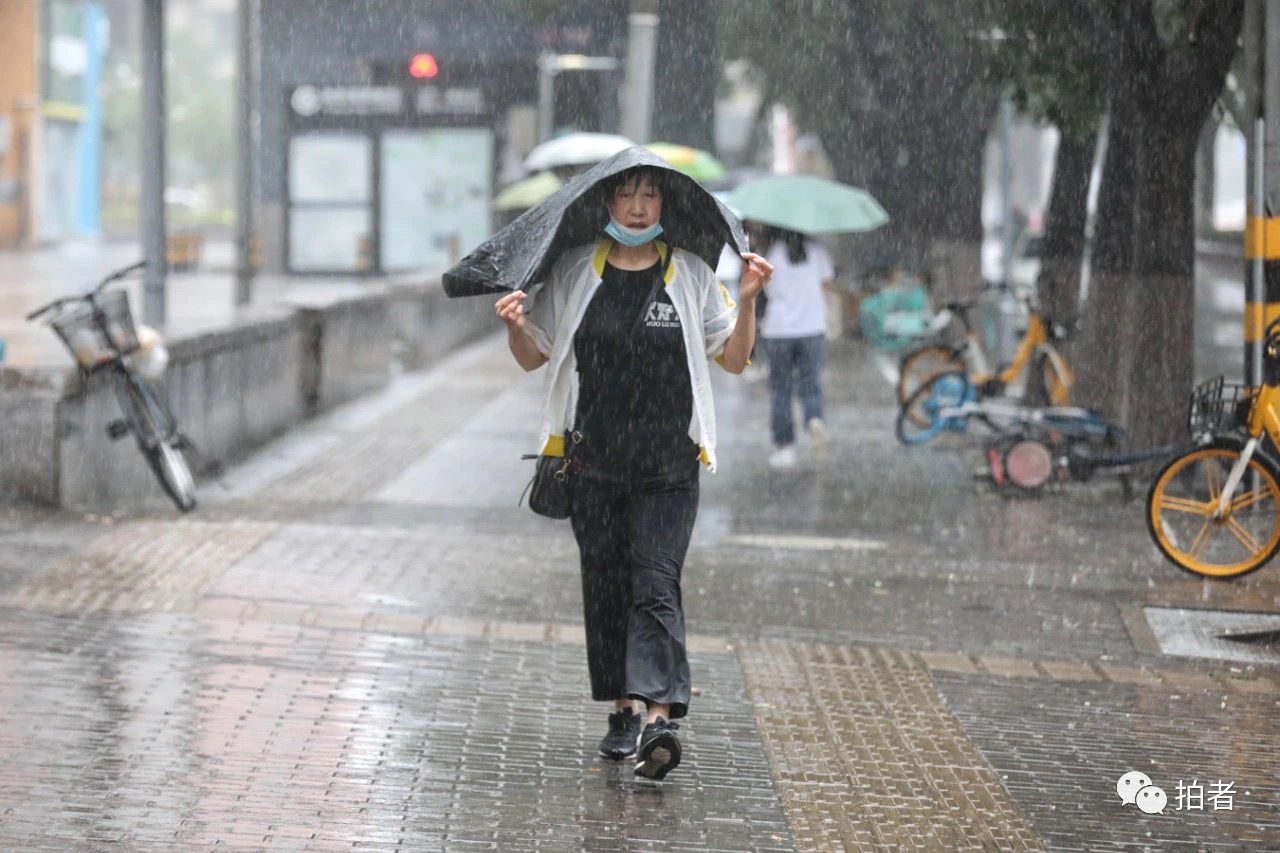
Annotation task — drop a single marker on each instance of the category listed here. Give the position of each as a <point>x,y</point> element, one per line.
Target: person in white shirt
<point>626,327</point>
<point>794,332</point>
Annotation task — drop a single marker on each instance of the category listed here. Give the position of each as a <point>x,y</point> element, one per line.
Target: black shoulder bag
<point>549,489</point>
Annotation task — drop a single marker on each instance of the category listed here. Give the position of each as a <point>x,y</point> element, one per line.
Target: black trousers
<point>633,533</point>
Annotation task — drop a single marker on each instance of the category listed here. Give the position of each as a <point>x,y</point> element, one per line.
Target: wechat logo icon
<point>1136,789</point>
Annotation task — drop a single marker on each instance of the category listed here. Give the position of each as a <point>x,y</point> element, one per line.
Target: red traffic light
<point>423,66</point>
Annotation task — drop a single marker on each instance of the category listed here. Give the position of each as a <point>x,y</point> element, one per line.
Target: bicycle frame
<point>1035,341</point>
<point>971,350</point>
<point>165,426</point>
<point>1264,420</point>
<point>987,409</point>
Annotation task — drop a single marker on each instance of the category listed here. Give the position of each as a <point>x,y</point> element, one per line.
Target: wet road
<point>361,642</point>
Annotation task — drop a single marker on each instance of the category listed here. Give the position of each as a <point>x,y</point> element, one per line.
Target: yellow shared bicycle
<point>1043,370</point>
<point>1215,509</point>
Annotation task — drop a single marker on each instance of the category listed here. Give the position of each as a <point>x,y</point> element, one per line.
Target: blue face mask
<point>632,236</point>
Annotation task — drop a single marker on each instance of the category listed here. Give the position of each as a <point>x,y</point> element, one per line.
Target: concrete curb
<point>232,389</point>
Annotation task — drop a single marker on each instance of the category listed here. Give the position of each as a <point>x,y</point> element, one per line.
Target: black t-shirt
<point>635,398</point>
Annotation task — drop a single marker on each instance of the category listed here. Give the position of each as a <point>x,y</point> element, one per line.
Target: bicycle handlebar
<point>110,278</point>
<point>121,273</point>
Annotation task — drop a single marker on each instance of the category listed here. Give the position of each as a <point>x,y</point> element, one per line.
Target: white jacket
<point>560,303</point>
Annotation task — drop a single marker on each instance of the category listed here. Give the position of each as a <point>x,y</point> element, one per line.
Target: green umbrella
<point>700,165</point>
<point>528,192</point>
<point>807,204</point>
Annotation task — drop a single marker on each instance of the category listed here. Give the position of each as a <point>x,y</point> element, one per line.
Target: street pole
<point>244,152</point>
<point>1252,127</point>
<point>550,66</point>
<point>1255,274</point>
<point>1267,233</point>
<point>1006,188</point>
<point>546,94</point>
<point>151,207</point>
<point>642,47</point>
<point>1261,78</point>
<point>1005,302</point>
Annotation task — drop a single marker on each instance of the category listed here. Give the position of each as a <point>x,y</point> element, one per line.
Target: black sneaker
<point>620,742</point>
<point>659,749</point>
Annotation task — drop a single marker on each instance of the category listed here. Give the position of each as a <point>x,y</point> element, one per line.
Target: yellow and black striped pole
<point>1262,267</point>
<point>1261,77</point>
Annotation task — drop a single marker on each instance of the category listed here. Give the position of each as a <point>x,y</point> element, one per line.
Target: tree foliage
<point>1049,56</point>
<point>1157,66</point>
<point>898,91</point>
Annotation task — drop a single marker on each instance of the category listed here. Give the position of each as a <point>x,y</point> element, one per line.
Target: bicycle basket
<point>94,338</point>
<point>1218,405</point>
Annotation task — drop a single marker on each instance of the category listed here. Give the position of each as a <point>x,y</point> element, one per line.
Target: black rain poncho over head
<point>522,253</point>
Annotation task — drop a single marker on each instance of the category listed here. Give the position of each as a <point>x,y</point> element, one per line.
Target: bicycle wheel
<point>160,443</point>
<point>921,364</point>
<point>922,418</point>
<point>1181,504</point>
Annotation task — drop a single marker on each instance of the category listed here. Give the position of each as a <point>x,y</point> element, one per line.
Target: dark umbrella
<point>523,252</point>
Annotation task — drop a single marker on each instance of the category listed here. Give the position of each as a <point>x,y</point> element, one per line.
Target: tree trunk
<point>1161,369</point>
<point>930,182</point>
<point>1062,249</point>
<point>1136,359</point>
<point>1101,378</point>
<point>1137,364</point>
<point>864,156</point>
<point>954,220</point>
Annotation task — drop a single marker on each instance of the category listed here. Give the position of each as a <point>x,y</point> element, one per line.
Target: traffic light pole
<point>151,223</point>
<point>547,71</point>
<point>642,48</point>
<point>550,66</point>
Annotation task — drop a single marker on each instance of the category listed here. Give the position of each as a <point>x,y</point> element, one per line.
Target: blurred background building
<point>52,54</point>
<point>383,131</point>
<point>382,128</point>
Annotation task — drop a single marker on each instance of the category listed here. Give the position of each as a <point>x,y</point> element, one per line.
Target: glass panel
<point>329,239</point>
<point>329,167</point>
<point>66,55</point>
<point>61,176</point>
<point>437,187</point>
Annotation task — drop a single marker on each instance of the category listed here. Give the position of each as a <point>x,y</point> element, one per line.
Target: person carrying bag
<point>549,489</point>
<point>627,326</point>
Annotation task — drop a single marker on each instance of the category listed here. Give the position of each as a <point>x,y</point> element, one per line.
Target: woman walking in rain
<point>628,325</point>
<point>794,330</point>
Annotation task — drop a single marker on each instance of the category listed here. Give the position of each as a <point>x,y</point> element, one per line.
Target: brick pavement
<point>194,732</point>
<point>370,646</point>
<point>1060,752</point>
<point>140,565</point>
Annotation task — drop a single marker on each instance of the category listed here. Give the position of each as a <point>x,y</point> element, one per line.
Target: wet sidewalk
<point>359,641</point>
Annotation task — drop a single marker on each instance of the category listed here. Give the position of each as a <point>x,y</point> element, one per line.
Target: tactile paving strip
<point>866,755</point>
